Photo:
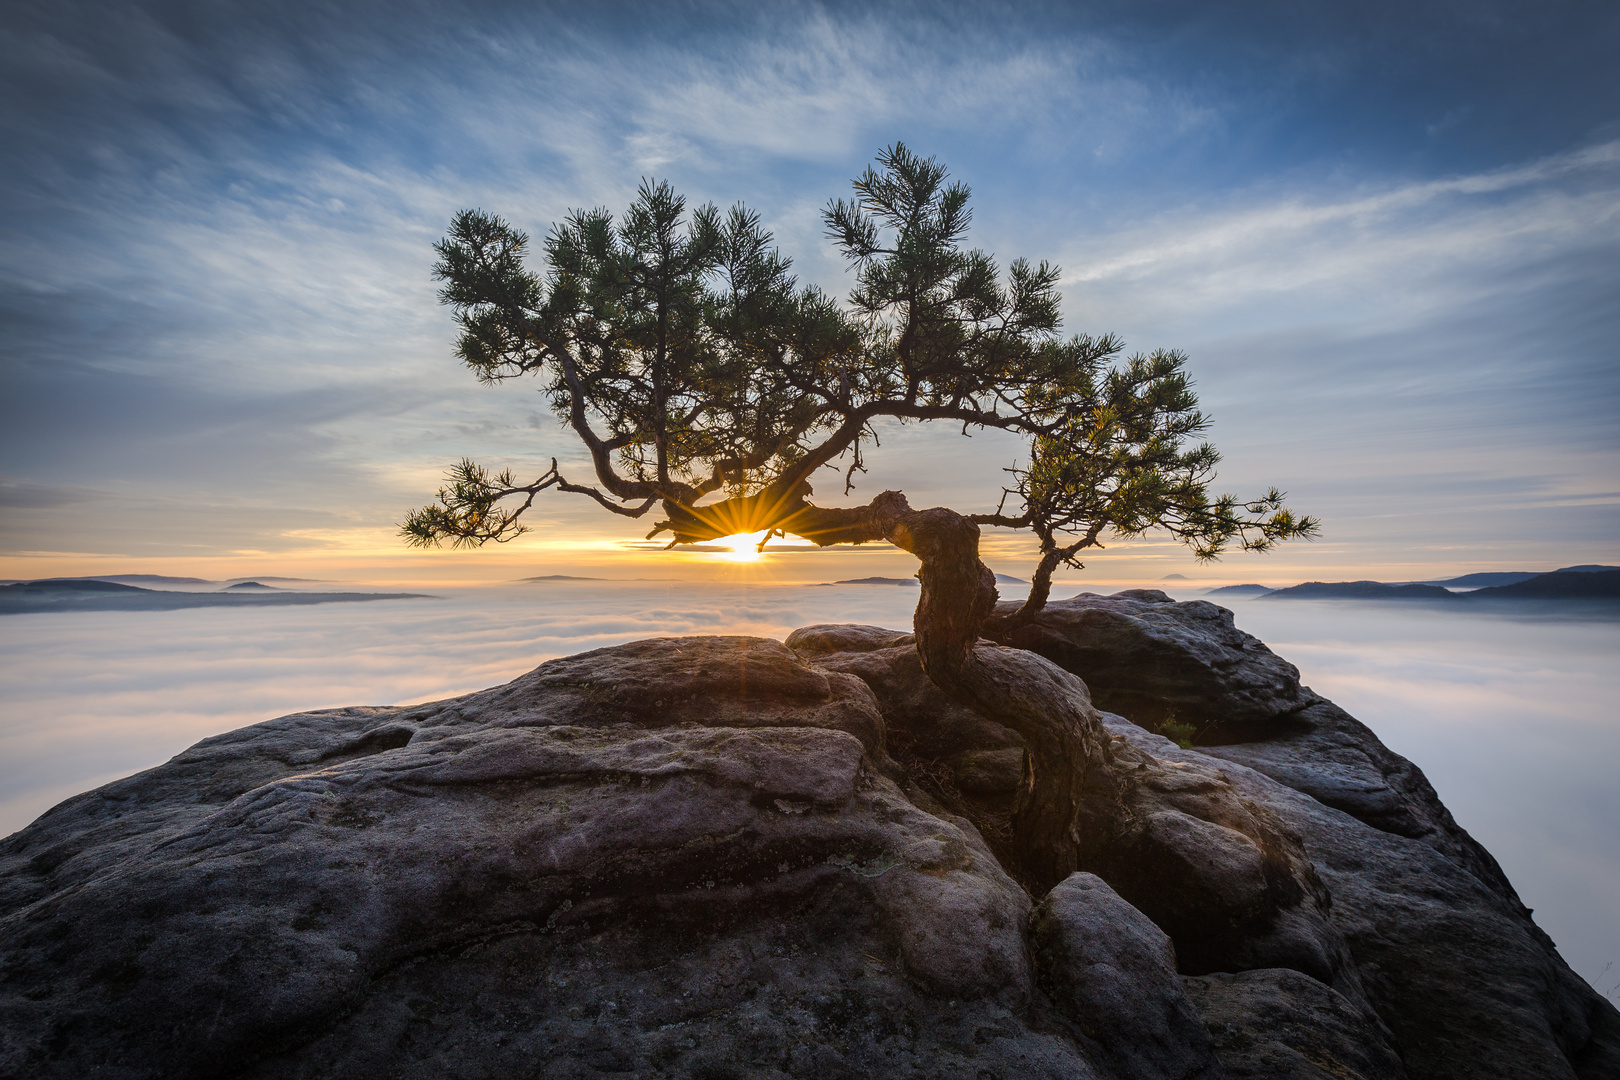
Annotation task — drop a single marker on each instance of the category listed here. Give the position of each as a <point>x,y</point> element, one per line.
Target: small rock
<point>1113,973</point>
<point>1277,1024</point>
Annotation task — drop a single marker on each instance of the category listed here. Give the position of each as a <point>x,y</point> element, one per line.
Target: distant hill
<point>1570,583</point>
<point>263,578</point>
<point>1567,584</point>
<point>152,579</point>
<point>58,586</point>
<point>1360,590</point>
<point>1488,578</point>
<point>1484,578</point>
<point>610,580</point>
<point>1240,590</point>
<point>1001,579</point>
<point>251,586</point>
<point>149,581</point>
<point>92,594</point>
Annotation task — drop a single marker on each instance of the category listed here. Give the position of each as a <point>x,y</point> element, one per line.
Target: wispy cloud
<point>1404,249</point>
<point>20,494</point>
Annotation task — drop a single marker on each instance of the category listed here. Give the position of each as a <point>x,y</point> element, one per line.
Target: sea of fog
<point>1513,717</point>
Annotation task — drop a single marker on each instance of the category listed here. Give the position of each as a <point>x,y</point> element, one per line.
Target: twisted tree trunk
<point>1071,803</point>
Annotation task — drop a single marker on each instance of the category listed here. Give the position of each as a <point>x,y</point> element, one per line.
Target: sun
<point>741,547</point>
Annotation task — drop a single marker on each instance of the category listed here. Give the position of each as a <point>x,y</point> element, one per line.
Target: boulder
<point>949,757</point>
<point>1148,658</point>
<point>1113,972</point>
<point>1450,963</point>
<point>1398,912</point>
<point>1276,1024</point>
<point>673,857</point>
<point>1153,660</point>
<point>920,719</point>
<point>1337,760</point>
<point>725,857</point>
<point>1228,881</point>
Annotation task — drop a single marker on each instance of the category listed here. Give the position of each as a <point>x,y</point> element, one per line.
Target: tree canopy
<point>706,383</point>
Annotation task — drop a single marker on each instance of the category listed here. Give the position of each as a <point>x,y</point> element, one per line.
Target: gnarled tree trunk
<point>1071,804</point>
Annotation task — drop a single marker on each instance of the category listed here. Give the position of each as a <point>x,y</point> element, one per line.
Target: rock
<point>1222,873</point>
<point>1331,756</point>
<point>1229,883</point>
<point>950,758</point>
<point>1150,654</point>
<point>918,716</point>
<point>989,772</point>
<point>1150,659</point>
<point>1113,972</point>
<point>673,856</point>
<point>1465,982</point>
<point>825,639</point>
<point>1403,916</point>
<point>712,857</point>
<point>1276,1024</point>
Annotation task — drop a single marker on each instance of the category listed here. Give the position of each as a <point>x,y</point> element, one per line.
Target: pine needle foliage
<point>703,380</point>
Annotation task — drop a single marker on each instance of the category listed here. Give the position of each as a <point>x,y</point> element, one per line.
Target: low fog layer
<point>1513,718</point>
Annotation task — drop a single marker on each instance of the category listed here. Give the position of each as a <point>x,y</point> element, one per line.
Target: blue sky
<point>1388,235</point>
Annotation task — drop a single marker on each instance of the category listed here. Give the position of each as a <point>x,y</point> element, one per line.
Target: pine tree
<point>708,386</point>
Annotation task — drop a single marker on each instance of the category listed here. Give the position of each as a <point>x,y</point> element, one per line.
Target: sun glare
<point>742,547</point>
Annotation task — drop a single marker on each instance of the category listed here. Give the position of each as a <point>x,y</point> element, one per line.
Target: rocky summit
<point>730,857</point>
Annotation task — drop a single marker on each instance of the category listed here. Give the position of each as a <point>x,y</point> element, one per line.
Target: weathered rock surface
<point>1110,970</point>
<point>1222,874</point>
<point>1276,1022</point>
<point>722,857</point>
<point>675,856</point>
<point>1404,917</point>
<point>1150,659</point>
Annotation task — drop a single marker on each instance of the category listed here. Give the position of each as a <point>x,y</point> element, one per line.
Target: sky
<point>1387,234</point>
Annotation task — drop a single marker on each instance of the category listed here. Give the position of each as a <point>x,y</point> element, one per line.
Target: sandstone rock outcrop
<point>726,857</point>
<point>1148,658</point>
<point>1277,1022</point>
<point>1111,971</point>
<point>1405,918</point>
